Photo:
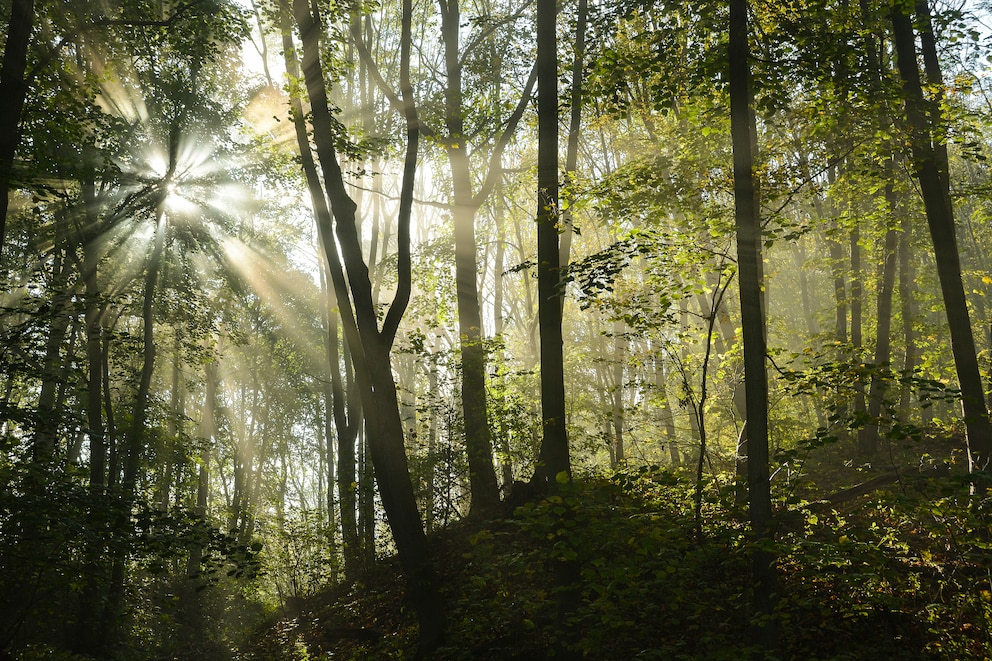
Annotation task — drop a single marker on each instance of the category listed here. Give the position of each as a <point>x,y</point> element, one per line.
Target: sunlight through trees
<point>629,329</point>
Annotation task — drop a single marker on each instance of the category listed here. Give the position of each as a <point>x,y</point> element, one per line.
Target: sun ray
<point>275,285</point>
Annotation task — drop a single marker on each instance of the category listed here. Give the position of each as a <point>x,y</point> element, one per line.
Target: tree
<point>488,138</point>
<point>369,346</point>
<point>930,167</point>
<point>554,457</point>
<point>749,273</point>
<point>13,89</point>
<point>345,403</point>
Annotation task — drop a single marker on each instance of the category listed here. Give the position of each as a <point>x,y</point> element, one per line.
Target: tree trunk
<point>809,315</point>
<point>94,342</point>
<point>554,457</point>
<point>857,340</point>
<point>110,426</point>
<point>617,412</point>
<point>667,417</point>
<point>13,90</point>
<point>748,222</point>
<point>908,313</point>
<point>478,441</point>
<point>432,384</point>
<point>327,391</point>
<point>929,164</point>
<point>169,444</point>
<point>53,372</point>
<point>369,347</point>
<point>347,420</point>
<point>205,436</point>
<point>840,289</point>
<point>366,501</point>
<point>574,133</point>
<point>345,400</point>
<point>262,443</point>
<point>502,428</point>
<point>879,385</point>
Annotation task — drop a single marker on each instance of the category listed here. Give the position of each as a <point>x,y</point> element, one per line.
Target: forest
<point>495,329</point>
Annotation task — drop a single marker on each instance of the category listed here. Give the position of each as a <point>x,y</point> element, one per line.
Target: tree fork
<point>370,348</point>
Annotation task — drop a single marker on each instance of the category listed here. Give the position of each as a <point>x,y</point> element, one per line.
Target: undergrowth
<point>610,568</point>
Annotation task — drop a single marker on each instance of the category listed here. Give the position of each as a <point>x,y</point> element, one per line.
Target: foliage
<point>903,575</point>
<point>237,460</point>
<point>58,520</point>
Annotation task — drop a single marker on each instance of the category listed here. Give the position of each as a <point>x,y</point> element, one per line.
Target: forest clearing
<point>511,329</point>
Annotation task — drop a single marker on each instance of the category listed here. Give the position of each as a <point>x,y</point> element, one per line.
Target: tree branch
<point>492,178</point>
<point>117,22</point>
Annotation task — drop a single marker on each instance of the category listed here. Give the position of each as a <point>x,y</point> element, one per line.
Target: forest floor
<point>897,569</point>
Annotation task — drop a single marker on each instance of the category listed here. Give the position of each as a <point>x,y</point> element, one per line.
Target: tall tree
<point>478,441</point>
<point>369,346</point>
<point>461,142</point>
<point>749,273</point>
<point>345,402</point>
<point>554,456</point>
<point>930,167</point>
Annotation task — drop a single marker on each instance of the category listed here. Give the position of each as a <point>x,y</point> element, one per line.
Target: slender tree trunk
<point>879,385</point>
<point>698,412</point>
<point>205,435</point>
<point>366,501</point>
<point>432,384</point>
<point>747,214</point>
<point>347,419</point>
<point>327,391</point>
<point>53,372</point>
<point>857,340</point>
<point>478,441</point>
<point>929,164</point>
<point>263,442</point>
<point>840,290</point>
<point>667,416</point>
<point>94,343</point>
<point>574,133</point>
<point>167,477</point>
<point>554,463</point>
<point>617,409</point>
<point>242,440</point>
<point>908,313</point>
<point>554,457</point>
<point>13,90</point>
<point>693,420</point>
<point>112,476</point>
<point>502,434</point>
<point>345,398</point>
